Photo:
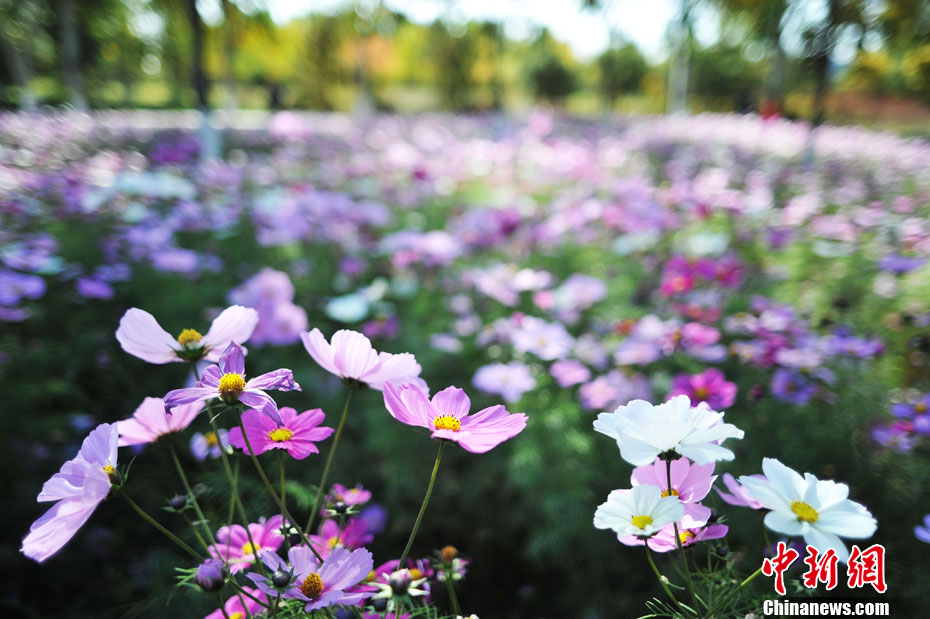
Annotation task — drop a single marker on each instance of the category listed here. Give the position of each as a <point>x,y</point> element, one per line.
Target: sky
<point>643,22</point>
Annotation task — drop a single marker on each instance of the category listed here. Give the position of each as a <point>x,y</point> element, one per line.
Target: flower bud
<point>281,579</point>
<point>178,502</point>
<point>211,575</point>
<point>339,507</point>
<point>400,581</point>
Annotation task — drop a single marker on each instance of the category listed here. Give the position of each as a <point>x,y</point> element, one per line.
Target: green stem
<point>274,495</point>
<point>681,552</point>
<point>187,488</point>
<point>662,582</point>
<point>240,591</point>
<point>429,492</point>
<point>222,605</point>
<point>732,594</point>
<point>287,535</point>
<point>234,488</point>
<point>453,599</point>
<point>196,532</point>
<point>274,609</point>
<point>174,538</point>
<point>321,489</point>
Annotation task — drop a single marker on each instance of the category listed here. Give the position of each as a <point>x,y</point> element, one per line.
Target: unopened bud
<point>448,554</point>
<point>178,501</point>
<point>211,575</point>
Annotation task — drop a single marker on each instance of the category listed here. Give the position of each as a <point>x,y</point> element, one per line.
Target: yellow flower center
<point>701,393</point>
<point>685,536</point>
<point>332,542</point>
<point>279,435</point>
<point>189,336</point>
<point>312,586</point>
<point>920,407</point>
<point>447,422</point>
<point>248,549</point>
<point>237,615</point>
<point>212,439</point>
<point>416,574</point>
<point>109,469</point>
<point>231,384</point>
<point>671,492</point>
<point>804,512</point>
<point>641,522</point>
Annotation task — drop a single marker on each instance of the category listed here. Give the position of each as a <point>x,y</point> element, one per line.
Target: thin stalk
<point>681,552</point>
<point>658,574</point>
<point>732,594</point>
<point>222,605</point>
<point>317,503</point>
<point>240,591</point>
<point>196,532</point>
<point>274,609</point>
<point>287,533</point>
<point>429,492</point>
<point>174,538</point>
<point>453,599</point>
<point>190,493</point>
<point>270,488</point>
<point>234,487</point>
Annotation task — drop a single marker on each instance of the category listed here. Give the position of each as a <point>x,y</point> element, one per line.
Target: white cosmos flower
<point>644,431</point>
<point>814,509</point>
<point>641,511</point>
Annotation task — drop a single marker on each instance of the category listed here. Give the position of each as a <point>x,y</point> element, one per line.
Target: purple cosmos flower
<point>16,286</point>
<point>209,444</point>
<point>910,410</point>
<point>709,386</point>
<point>690,483</point>
<point>240,606</point>
<point>546,340</point>
<point>297,434</point>
<point>569,372</point>
<point>150,421</point>
<point>664,540</point>
<point>510,380</point>
<point>350,356</point>
<point>227,382</point>
<point>233,545</point>
<point>923,532</point>
<point>898,264</point>
<point>271,293</point>
<point>141,336</point>
<point>739,496</point>
<point>320,585</point>
<point>898,436</point>
<point>613,389</point>
<point>80,485</point>
<point>446,416</point>
<point>91,288</point>
<point>793,386</point>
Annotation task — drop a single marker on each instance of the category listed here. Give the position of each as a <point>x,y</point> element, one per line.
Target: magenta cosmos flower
<point>446,417</point>
<point>226,381</point>
<point>240,606</point>
<point>141,336</point>
<point>350,356</point>
<point>297,434</point>
<point>350,496</point>
<point>331,535</point>
<point>320,585</point>
<point>150,421</point>
<point>709,386</point>
<point>233,545</point>
<point>80,485</point>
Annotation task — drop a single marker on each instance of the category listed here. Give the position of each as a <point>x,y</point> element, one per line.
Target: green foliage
<point>621,71</point>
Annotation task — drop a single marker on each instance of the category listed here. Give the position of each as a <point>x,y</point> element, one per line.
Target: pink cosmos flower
<point>240,606</point>
<point>709,386</point>
<point>664,540</point>
<point>297,434</point>
<point>330,535</point>
<point>690,483</point>
<point>141,336</point>
<point>739,496</point>
<point>508,380</point>
<point>81,484</point>
<point>150,421</point>
<point>227,382</point>
<point>351,357</point>
<point>320,585</point>
<point>233,545</point>
<point>568,372</point>
<point>446,416</point>
<point>350,496</point>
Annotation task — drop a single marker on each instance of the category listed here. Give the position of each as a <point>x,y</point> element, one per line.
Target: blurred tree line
<point>170,54</point>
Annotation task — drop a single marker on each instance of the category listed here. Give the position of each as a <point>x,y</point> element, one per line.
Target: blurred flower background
<point>562,206</point>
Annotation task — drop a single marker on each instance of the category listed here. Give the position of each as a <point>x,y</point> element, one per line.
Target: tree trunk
<point>200,77</point>
<point>71,54</point>
<point>677,99</point>
<point>21,68</point>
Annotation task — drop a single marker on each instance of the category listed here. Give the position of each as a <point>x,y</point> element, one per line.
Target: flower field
<point>604,350</point>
